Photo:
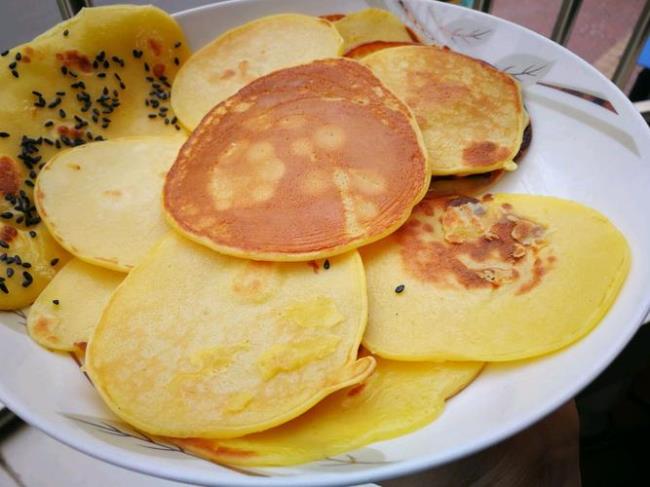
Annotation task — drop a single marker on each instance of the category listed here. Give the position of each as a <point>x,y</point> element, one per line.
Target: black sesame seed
<point>3,257</point>
<point>4,135</point>
<point>4,53</point>
<point>152,115</point>
<point>177,127</point>
<point>61,113</point>
<point>101,75</point>
<point>65,33</point>
<point>3,288</point>
<point>10,272</point>
<point>399,288</point>
<point>177,45</point>
<point>326,264</point>
<point>105,64</point>
<point>17,259</point>
<point>10,260</point>
<point>55,103</point>
<point>176,61</point>
<point>26,265</point>
<point>137,54</point>
<point>7,215</point>
<point>60,93</point>
<point>32,233</point>
<point>13,65</point>
<point>49,123</point>
<point>29,183</point>
<point>54,261</point>
<point>27,279</point>
<point>55,301</point>
<point>72,73</point>
<point>18,56</point>
<point>4,244</point>
<point>64,70</point>
<point>15,73</point>
<point>146,68</point>
<point>122,86</point>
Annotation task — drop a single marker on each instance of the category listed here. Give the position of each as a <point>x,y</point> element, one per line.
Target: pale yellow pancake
<point>197,344</point>
<point>88,78</point>
<point>398,398</point>
<point>67,311</point>
<point>471,114</point>
<point>244,53</point>
<point>504,278</point>
<point>102,201</point>
<point>371,24</point>
<point>303,163</point>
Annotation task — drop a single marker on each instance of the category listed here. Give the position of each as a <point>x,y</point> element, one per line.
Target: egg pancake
<point>198,344</point>
<point>104,73</point>
<point>303,163</point>
<point>398,398</point>
<point>371,24</point>
<point>506,277</point>
<point>28,260</point>
<point>237,57</point>
<point>102,201</point>
<point>471,114</point>
<point>60,318</point>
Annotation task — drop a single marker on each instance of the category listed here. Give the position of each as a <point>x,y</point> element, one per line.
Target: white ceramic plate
<point>589,145</point>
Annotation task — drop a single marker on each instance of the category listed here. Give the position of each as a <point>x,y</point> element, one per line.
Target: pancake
<point>81,81</point>
<point>371,24</point>
<point>363,50</point>
<point>198,344</point>
<point>398,398</point>
<point>505,278</point>
<point>475,184</point>
<point>59,318</point>
<point>28,260</point>
<point>244,53</point>
<point>304,163</point>
<point>102,201</point>
<point>471,114</point>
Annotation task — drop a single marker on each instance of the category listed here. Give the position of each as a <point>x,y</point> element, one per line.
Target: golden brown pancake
<point>506,277</point>
<point>471,114</point>
<point>303,163</point>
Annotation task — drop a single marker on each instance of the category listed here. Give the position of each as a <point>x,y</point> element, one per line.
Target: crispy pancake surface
<point>371,24</point>
<point>303,163</point>
<point>30,258</point>
<point>244,53</point>
<point>396,399</point>
<point>197,344</point>
<point>102,201</point>
<point>502,278</point>
<point>61,318</point>
<point>105,73</point>
<point>471,115</point>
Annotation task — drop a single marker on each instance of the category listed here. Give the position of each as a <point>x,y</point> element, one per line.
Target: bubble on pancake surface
<point>323,159</point>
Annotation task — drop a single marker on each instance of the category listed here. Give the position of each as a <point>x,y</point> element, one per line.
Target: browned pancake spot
<point>363,50</point>
<point>484,153</point>
<point>9,176</point>
<point>8,233</point>
<point>469,251</point>
<point>74,59</point>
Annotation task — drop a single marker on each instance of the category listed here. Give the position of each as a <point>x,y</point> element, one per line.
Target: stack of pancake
<point>281,248</point>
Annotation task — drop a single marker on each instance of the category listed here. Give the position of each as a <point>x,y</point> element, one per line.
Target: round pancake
<point>371,24</point>
<point>198,344</point>
<point>471,114</point>
<point>102,201</point>
<point>83,80</point>
<point>399,397</point>
<point>504,278</point>
<point>59,318</point>
<point>28,260</point>
<point>304,163</point>
<point>244,53</point>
